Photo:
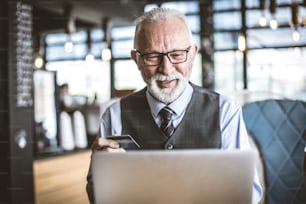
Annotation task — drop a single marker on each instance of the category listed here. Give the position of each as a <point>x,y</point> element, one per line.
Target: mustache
<point>162,77</point>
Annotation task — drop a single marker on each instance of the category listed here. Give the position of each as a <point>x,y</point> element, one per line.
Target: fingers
<point>104,144</point>
<point>115,150</point>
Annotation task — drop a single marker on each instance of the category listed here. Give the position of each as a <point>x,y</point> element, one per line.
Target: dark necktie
<point>166,121</point>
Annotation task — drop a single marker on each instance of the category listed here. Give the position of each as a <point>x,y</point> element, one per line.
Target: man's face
<point>165,81</point>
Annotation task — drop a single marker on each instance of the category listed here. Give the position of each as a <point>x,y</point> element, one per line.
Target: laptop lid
<point>174,177</point>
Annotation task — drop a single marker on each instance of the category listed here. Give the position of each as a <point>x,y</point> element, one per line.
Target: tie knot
<point>166,113</point>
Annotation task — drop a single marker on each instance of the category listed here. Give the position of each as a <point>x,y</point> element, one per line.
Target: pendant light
<point>295,21</point>
<point>106,54</point>
<point>89,57</point>
<point>272,8</point>
<point>70,27</point>
<point>262,19</point>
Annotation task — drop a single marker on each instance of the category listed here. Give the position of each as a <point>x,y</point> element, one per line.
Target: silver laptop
<point>174,177</point>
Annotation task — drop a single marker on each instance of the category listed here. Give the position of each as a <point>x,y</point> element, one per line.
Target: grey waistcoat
<point>199,127</point>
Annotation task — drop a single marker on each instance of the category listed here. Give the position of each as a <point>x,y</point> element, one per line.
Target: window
<point>267,38</point>
<point>122,41</point>
<point>228,71</point>
<point>278,71</point>
<point>265,47</point>
<point>88,78</point>
<point>55,44</point>
<point>127,76</point>
<point>275,63</point>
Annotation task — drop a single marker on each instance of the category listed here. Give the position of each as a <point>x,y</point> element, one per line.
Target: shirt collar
<point>178,106</point>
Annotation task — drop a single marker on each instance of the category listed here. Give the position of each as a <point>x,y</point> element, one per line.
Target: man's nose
<point>166,67</point>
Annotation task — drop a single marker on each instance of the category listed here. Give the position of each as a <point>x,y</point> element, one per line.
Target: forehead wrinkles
<point>161,33</point>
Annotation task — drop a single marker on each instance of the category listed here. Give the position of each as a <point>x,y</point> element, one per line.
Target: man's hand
<point>106,145</point>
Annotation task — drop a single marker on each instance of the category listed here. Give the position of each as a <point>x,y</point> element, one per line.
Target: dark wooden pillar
<point>207,43</point>
<point>4,104</point>
<point>16,103</point>
<point>245,54</point>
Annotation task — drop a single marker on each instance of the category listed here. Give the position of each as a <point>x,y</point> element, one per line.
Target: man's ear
<point>135,58</point>
<point>195,50</point>
<point>134,55</point>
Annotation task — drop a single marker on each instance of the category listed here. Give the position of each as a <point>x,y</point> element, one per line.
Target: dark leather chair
<point>278,128</point>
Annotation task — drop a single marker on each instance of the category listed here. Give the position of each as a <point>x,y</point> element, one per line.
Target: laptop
<point>174,177</point>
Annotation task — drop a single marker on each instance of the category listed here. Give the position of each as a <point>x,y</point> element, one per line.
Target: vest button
<point>170,146</point>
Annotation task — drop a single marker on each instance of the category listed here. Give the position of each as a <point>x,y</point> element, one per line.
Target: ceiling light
<point>38,62</point>
<point>70,27</point>
<point>272,8</point>
<point>106,54</point>
<point>241,42</point>
<point>39,56</point>
<point>273,23</point>
<point>296,35</point>
<point>69,46</point>
<point>89,57</point>
<point>262,19</point>
<point>295,21</point>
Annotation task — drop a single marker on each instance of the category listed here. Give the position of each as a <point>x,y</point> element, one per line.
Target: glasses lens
<point>152,58</point>
<point>178,56</point>
<point>175,57</point>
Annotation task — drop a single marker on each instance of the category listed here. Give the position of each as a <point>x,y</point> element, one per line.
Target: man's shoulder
<point>224,101</point>
<point>107,106</point>
<point>201,90</point>
<point>134,96</point>
<point>134,100</point>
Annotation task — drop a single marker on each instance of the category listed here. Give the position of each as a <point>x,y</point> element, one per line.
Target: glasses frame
<point>161,54</point>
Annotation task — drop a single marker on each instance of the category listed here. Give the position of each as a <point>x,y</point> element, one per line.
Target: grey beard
<point>166,95</point>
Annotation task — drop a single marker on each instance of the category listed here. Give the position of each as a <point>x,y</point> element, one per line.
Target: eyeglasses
<point>155,58</point>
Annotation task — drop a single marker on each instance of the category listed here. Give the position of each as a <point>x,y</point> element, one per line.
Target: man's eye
<point>176,55</point>
<point>152,57</point>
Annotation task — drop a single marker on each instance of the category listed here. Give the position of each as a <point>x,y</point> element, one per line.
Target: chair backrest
<point>279,129</point>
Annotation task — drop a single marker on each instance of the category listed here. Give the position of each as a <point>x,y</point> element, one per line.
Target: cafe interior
<point>63,62</point>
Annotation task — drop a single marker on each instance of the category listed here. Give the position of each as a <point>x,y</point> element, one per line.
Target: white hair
<point>157,14</point>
